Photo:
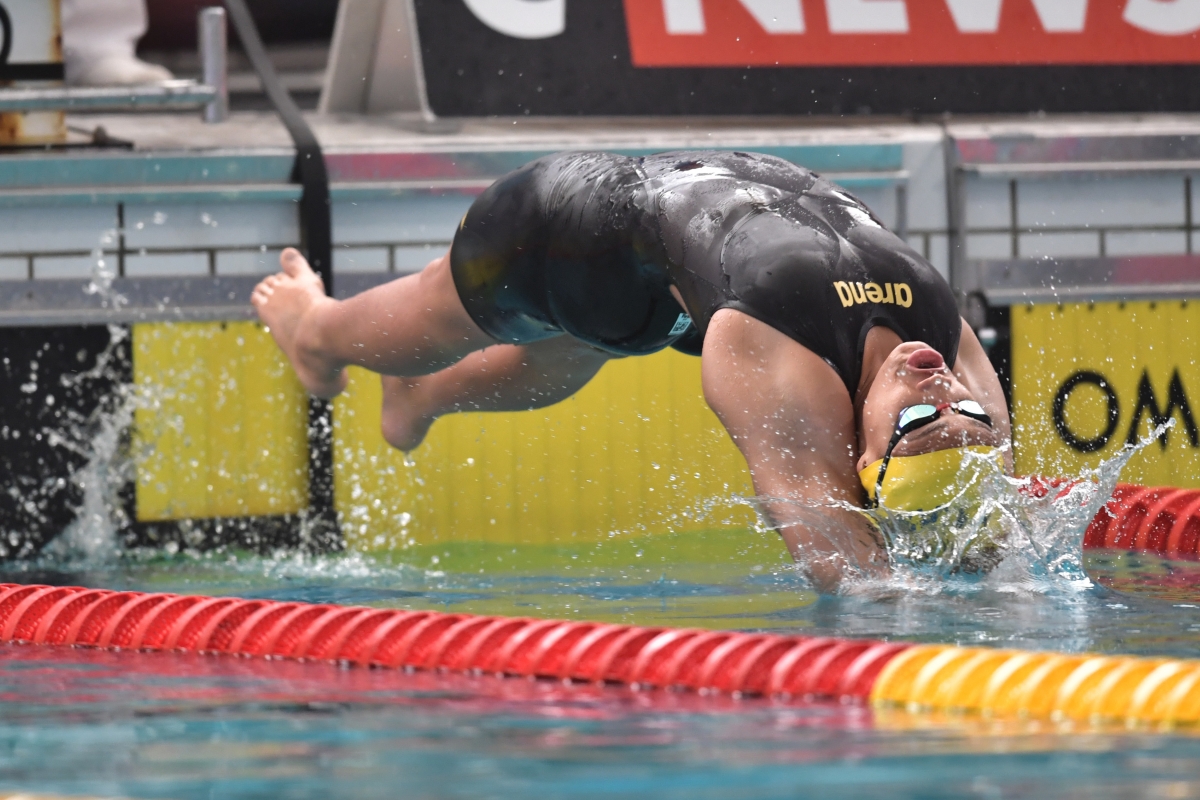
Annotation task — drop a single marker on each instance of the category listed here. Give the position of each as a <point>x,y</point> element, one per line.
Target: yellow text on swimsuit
<point>853,293</point>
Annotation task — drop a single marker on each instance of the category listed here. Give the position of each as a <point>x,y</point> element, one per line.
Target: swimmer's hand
<point>292,304</point>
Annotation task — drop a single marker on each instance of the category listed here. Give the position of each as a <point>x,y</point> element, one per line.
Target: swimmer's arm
<point>791,417</point>
<point>829,542</point>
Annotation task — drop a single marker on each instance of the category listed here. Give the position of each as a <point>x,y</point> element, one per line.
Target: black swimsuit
<point>590,243</point>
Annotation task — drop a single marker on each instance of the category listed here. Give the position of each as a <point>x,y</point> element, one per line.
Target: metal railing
<point>1015,230</point>
<point>1021,278</point>
<point>120,254</point>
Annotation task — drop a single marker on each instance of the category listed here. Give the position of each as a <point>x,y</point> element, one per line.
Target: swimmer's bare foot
<point>403,423</point>
<point>287,304</point>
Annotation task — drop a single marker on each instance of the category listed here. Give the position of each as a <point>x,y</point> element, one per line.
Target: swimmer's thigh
<point>410,326</point>
<point>498,261</point>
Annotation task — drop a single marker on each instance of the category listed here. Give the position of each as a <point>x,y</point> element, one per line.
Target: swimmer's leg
<point>503,377</point>
<point>411,326</point>
<point>792,418</point>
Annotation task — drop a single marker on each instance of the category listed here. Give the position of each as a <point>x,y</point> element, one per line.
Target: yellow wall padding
<point>1051,686</point>
<point>636,451</point>
<point>219,427</point>
<point>221,433</point>
<point>1139,350</point>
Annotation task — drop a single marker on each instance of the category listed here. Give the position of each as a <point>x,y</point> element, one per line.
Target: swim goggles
<point>918,416</point>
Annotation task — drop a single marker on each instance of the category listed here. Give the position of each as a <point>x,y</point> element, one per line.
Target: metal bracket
<point>212,94</point>
<point>375,61</point>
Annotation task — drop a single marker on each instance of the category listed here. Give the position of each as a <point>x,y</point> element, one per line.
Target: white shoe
<point>118,71</point>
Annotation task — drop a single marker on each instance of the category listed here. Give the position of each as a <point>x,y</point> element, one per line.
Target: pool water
<point>77,721</point>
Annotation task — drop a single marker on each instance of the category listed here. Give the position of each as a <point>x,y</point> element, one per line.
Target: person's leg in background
<point>100,40</point>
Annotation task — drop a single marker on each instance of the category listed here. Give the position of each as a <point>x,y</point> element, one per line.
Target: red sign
<point>813,33</point>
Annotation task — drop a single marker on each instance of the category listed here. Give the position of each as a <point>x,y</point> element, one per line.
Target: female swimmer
<point>832,352</point>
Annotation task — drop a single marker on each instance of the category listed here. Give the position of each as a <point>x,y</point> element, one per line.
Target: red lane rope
<point>725,661</point>
<point>1163,521</point>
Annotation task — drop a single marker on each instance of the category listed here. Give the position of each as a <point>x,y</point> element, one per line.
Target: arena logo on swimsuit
<point>741,33</point>
<point>855,293</point>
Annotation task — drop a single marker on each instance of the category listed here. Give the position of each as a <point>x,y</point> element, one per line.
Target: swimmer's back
<point>590,243</point>
<point>776,241</point>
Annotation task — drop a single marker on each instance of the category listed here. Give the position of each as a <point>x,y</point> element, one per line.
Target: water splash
<point>998,534</point>
<point>104,272</point>
<point>99,439</point>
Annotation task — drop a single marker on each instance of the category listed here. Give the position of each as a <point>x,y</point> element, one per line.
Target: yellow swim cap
<point>927,481</point>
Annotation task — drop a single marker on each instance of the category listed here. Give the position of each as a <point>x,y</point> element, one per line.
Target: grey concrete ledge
<point>37,303</point>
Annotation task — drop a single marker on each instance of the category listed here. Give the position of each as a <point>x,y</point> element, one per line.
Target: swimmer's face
<point>913,374</point>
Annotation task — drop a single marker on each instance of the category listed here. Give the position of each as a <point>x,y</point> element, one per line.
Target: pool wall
<point>222,434</point>
<point>1090,378</point>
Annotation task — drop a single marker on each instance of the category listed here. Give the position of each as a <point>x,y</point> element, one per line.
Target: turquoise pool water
<point>165,725</point>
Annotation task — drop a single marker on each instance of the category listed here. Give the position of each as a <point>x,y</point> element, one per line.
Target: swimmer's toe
<point>293,263</point>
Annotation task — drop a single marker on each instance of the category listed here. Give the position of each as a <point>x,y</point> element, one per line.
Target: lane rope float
<point>1161,520</point>
<point>917,678</point>
<point>1158,520</point>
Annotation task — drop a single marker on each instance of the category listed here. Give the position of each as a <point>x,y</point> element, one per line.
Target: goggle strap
<point>887,457</point>
<point>913,424</point>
